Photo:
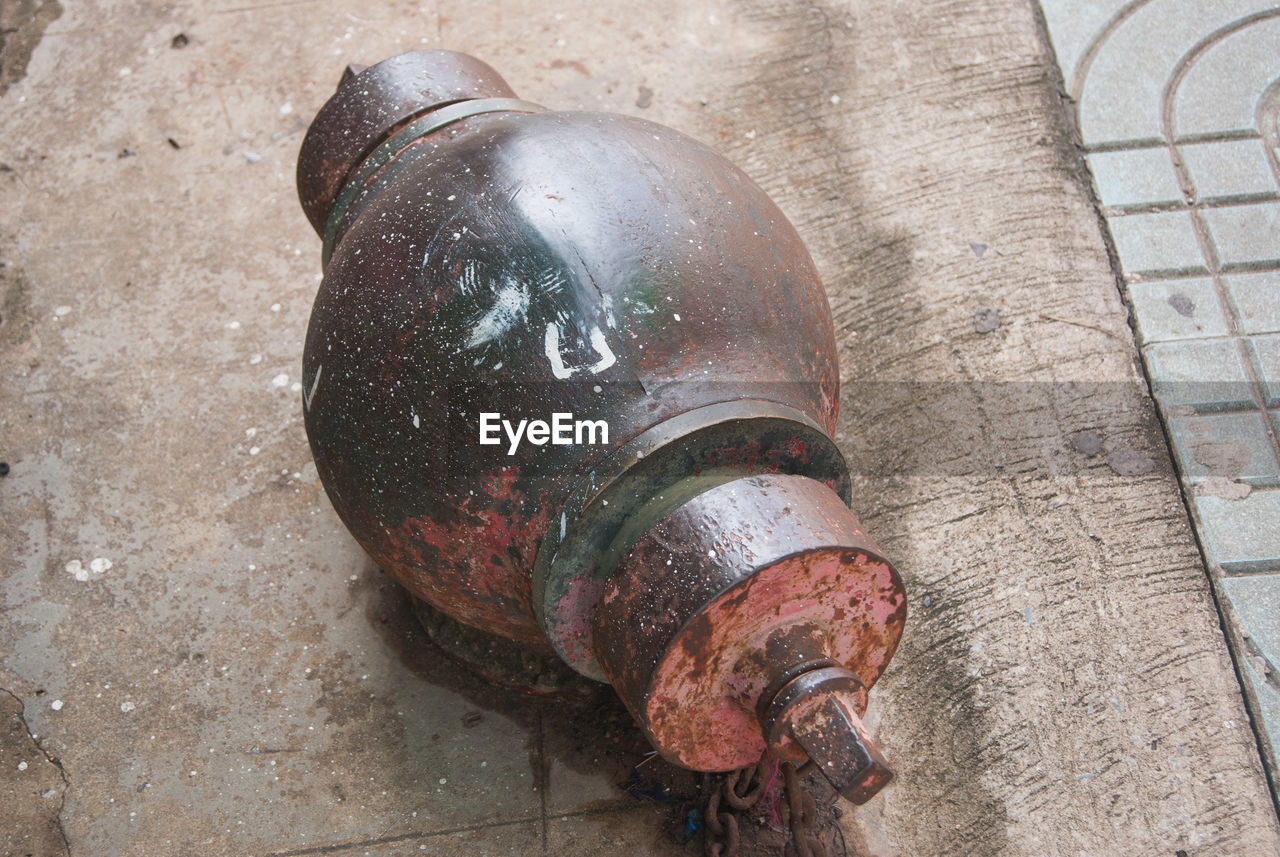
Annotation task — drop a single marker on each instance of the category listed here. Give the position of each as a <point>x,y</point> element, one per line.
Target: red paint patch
<point>477,569</point>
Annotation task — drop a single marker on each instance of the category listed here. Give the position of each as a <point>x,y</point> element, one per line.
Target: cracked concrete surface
<point>232,676</point>
<point>33,787</point>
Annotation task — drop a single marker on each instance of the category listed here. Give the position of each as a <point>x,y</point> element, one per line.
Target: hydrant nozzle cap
<point>814,715</point>
<point>369,104</point>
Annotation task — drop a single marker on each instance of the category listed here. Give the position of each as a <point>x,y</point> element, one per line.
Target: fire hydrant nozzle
<point>736,618</point>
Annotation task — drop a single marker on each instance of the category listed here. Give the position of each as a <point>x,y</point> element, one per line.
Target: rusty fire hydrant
<point>571,378</point>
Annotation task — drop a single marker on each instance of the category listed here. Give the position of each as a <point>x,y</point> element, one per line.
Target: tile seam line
<point>1223,412</point>
<point>1200,337</point>
<point>1117,272</point>
<point>1172,206</point>
<point>1140,144</point>
<point>334,847</point>
<point>399,837</point>
<point>1147,275</point>
<point>1267,570</point>
<point>1209,248</point>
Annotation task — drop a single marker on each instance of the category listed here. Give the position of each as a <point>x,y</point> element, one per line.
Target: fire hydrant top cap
<point>368,105</point>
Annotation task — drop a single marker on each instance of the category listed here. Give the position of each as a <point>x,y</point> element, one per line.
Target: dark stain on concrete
<point>939,714</point>
<point>15,304</point>
<point>22,26</point>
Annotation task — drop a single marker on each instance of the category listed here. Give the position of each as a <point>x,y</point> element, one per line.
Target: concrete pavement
<point>199,660</point>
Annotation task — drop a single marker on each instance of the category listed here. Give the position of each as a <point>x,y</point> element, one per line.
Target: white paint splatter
<point>61,310</point>
<point>22,766</point>
<point>56,705</point>
<point>280,380</point>
<point>552,342</point>
<point>508,310</point>
<point>311,393</point>
<point>126,707</point>
<point>467,282</point>
<point>96,568</point>
<point>602,348</point>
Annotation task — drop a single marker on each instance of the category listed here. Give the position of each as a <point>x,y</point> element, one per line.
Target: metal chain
<point>733,794</point>
<point>801,812</point>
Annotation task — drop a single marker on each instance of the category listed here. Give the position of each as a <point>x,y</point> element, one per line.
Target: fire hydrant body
<point>571,378</point>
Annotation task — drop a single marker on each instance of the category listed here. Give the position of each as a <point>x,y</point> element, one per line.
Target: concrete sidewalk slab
<point>240,680</point>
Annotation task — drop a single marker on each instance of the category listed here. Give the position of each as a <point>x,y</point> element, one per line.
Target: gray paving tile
<point>1072,26</point>
<point>1266,351</point>
<point>1121,98</point>
<point>1121,94</point>
<point>1233,446</point>
<point>1245,233</point>
<point>1177,309</point>
<point>1242,535</point>
<point>1142,175</point>
<point>1267,701</point>
<point>1228,168</point>
<point>1155,241</point>
<point>1256,601</point>
<point>1257,300</point>
<point>1221,88</point>
<point>1205,374</point>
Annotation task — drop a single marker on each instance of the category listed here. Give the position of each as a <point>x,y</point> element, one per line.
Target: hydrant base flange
<point>644,480</point>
